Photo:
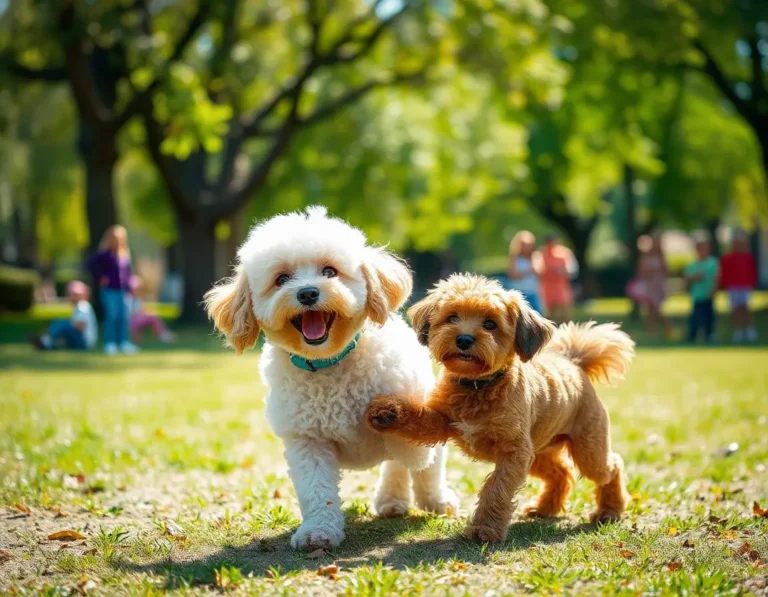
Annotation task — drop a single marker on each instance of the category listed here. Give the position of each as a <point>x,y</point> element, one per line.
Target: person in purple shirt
<point>111,268</point>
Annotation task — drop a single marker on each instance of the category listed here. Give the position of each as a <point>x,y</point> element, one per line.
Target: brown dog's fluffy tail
<point>602,351</point>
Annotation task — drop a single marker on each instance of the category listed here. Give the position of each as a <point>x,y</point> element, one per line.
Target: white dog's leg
<point>430,487</point>
<point>393,491</point>
<point>315,474</point>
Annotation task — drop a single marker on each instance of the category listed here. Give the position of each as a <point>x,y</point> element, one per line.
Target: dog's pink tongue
<point>313,324</point>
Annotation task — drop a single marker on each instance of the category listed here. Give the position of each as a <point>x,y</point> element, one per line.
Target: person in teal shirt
<point>702,276</point>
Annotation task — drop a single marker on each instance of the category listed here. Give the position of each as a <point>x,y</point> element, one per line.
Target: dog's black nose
<point>465,341</point>
<point>308,295</point>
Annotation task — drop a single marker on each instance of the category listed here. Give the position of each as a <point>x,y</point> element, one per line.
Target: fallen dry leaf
<point>329,503</point>
<point>626,554</point>
<point>277,495</point>
<point>456,566</point>
<point>58,512</point>
<point>746,550</point>
<point>65,536</point>
<point>715,520</point>
<point>23,508</point>
<point>619,544</point>
<point>688,543</point>
<point>90,552</point>
<point>329,571</point>
<point>674,566</point>
<point>4,556</point>
<point>729,535</point>
<point>316,555</point>
<point>758,511</point>
<point>672,532</point>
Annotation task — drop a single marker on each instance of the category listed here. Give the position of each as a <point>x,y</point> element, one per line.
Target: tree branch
<point>240,190</point>
<point>713,70</point>
<point>357,93</point>
<point>757,83</point>
<point>252,126</point>
<point>136,102</point>
<point>169,168</point>
<point>54,74</point>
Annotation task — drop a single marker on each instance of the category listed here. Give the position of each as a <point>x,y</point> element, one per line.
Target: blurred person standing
<point>738,277</point>
<point>524,268</point>
<point>111,268</point>
<point>702,277</point>
<point>652,276</point>
<point>558,265</point>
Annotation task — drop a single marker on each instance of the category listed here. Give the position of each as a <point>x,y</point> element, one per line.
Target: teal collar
<point>317,364</point>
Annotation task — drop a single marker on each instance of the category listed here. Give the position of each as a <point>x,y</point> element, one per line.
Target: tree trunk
<point>98,147</point>
<point>198,243</point>
<point>712,225</point>
<point>630,204</point>
<point>580,241</point>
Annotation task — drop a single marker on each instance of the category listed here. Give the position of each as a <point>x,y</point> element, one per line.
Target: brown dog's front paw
<point>383,414</point>
<point>485,533</point>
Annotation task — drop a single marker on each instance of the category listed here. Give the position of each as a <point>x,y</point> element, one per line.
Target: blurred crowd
<point>544,276</point>
<point>121,296</point>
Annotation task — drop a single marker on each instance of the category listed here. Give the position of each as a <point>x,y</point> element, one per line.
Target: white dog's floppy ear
<point>388,283</point>
<point>229,305</point>
<point>532,331</point>
<point>420,315</point>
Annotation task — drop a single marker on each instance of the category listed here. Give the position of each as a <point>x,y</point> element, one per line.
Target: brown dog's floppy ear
<point>229,305</point>
<point>420,315</point>
<point>388,283</point>
<point>532,331</point>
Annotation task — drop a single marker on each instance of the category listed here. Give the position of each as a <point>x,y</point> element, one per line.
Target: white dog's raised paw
<point>446,502</point>
<point>312,536</point>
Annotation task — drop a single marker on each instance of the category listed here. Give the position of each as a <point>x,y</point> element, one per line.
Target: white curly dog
<point>326,302</point>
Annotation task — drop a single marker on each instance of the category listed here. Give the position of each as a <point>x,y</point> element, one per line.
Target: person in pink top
<point>557,266</point>
<point>141,319</point>
<point>652,276</point>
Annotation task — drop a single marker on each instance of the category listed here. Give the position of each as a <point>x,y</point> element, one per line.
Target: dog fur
<point>537,417</point>
<point>319,415</point>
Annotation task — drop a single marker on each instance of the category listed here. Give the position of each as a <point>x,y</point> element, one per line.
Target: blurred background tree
<point>441,127</point>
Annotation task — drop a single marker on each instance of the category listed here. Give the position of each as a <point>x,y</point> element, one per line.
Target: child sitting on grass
<point>80,331</point>
<point>702,276</point>
<point>141,319</point>
<point>738,276</point>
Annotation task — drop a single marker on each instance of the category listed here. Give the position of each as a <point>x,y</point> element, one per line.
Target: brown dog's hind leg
<point>554,468</point>
<point>591,451</point>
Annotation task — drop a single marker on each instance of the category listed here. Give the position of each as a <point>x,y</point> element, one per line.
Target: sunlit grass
<point>164,461</point>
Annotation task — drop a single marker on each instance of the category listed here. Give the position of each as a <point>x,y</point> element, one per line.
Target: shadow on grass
<point>367,543</point>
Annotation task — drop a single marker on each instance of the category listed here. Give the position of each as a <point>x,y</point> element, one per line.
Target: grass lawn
<point>164,466</point>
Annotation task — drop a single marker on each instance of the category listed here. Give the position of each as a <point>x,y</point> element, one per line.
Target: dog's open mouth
<point>314,325</point>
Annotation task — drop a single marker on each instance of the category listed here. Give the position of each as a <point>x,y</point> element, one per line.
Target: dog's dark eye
<point>453,319</point>
<point>489,324</point>
<point>330,272</point>
<point>282,279</point>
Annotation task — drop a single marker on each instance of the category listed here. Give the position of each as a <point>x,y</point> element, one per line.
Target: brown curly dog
<point>517,392</point>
